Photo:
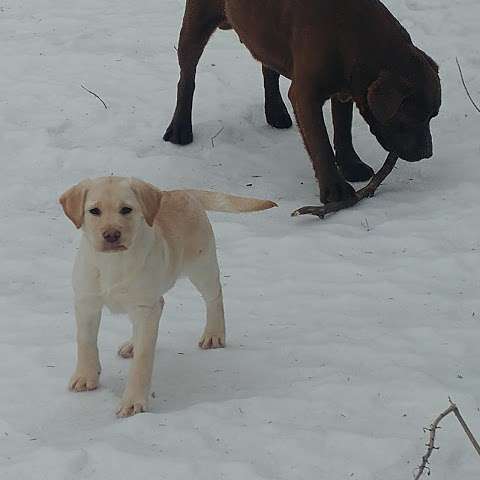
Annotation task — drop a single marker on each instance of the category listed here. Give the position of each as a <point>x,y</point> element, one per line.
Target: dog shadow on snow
<point>186,377</point>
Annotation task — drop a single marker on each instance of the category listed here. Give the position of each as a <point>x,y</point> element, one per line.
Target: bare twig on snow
<point>364,192</point>
<point>95,95</point>
<point>433,430</point>
<point>464,425</point>
<point>465,86</point>
<point>431,441</point>
<point>216,135</point>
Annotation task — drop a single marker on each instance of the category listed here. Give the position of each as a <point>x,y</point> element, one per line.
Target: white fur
<point>134,280</point>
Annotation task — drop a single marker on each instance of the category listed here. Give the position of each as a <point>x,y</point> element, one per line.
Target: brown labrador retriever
<point>344,50</point>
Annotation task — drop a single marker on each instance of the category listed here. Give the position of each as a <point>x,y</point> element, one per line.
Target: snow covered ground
<point>345,336</point>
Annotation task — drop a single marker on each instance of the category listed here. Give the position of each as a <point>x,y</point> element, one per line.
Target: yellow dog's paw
<point>131,406</point>
<point>125,350</point>
<point>82,381</point>
<point>212,340</point>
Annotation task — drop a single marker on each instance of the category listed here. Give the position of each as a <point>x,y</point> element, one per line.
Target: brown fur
<point>337,49</point>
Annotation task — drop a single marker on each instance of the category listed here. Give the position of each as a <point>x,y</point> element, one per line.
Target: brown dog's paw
<point>352,168</point>
<point>179,132</point>
<point>336,191</point>
<point>277,115</point>
<point>125,350</point>
<point>212,340</point>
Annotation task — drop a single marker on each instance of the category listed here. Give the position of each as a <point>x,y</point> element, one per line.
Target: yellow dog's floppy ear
<point>148,197</point>
<point>73,202</point>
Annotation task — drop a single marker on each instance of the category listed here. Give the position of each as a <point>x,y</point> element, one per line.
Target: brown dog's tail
<point>222,202</point>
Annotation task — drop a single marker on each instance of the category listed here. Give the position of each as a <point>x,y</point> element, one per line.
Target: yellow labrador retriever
<point>137,241</point>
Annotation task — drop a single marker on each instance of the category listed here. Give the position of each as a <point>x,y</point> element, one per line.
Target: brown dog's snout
<point>419,147</point>
<point>112,235</point>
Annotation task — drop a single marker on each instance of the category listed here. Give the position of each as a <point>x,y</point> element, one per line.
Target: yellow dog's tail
<point>222,202</point>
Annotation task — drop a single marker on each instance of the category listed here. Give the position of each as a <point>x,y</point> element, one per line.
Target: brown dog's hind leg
<point>349,163</point>
<point>308,101</point>
<point>276,112</point>
<point>200,20</point>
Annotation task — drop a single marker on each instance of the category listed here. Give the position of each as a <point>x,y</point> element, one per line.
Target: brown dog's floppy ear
<point>431,62</point>
<point>148,197</point>
<point>386,94</point>
<point>73,202</point>
<point>426,58</point>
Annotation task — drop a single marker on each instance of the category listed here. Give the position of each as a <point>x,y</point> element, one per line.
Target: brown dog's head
<point>398,108</point>
<point>111,210</point>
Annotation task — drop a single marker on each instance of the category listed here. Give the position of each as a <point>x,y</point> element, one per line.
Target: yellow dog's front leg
<point>145,320</point>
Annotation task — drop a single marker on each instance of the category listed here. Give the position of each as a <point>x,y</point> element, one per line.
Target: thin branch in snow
<point>433,430</point>
<point>216,135</point>
<point>366,225</point>
<point>365,192</point>
<point>464,425</point>
<point>465,86</point>
<point>95,95</point>
<point>431,441</point>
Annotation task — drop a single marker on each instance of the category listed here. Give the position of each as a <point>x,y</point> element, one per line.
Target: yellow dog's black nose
<point>112,236</point>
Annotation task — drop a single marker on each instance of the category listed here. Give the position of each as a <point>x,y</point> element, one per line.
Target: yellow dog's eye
<point>95,211</point>
<point>125,210</point>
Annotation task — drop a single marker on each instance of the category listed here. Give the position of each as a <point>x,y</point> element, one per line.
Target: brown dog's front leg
<point>308,106</point>
<point>349,163</point>
<point>276,112</point>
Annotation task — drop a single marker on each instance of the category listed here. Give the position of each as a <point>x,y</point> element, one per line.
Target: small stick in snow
<point>365,192</point>
<point>433,430</point>
<point>465,86</point>
<point>95,95</point>
<point>216,135</point>
<point>431,442</point>
<point>464,425</point>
